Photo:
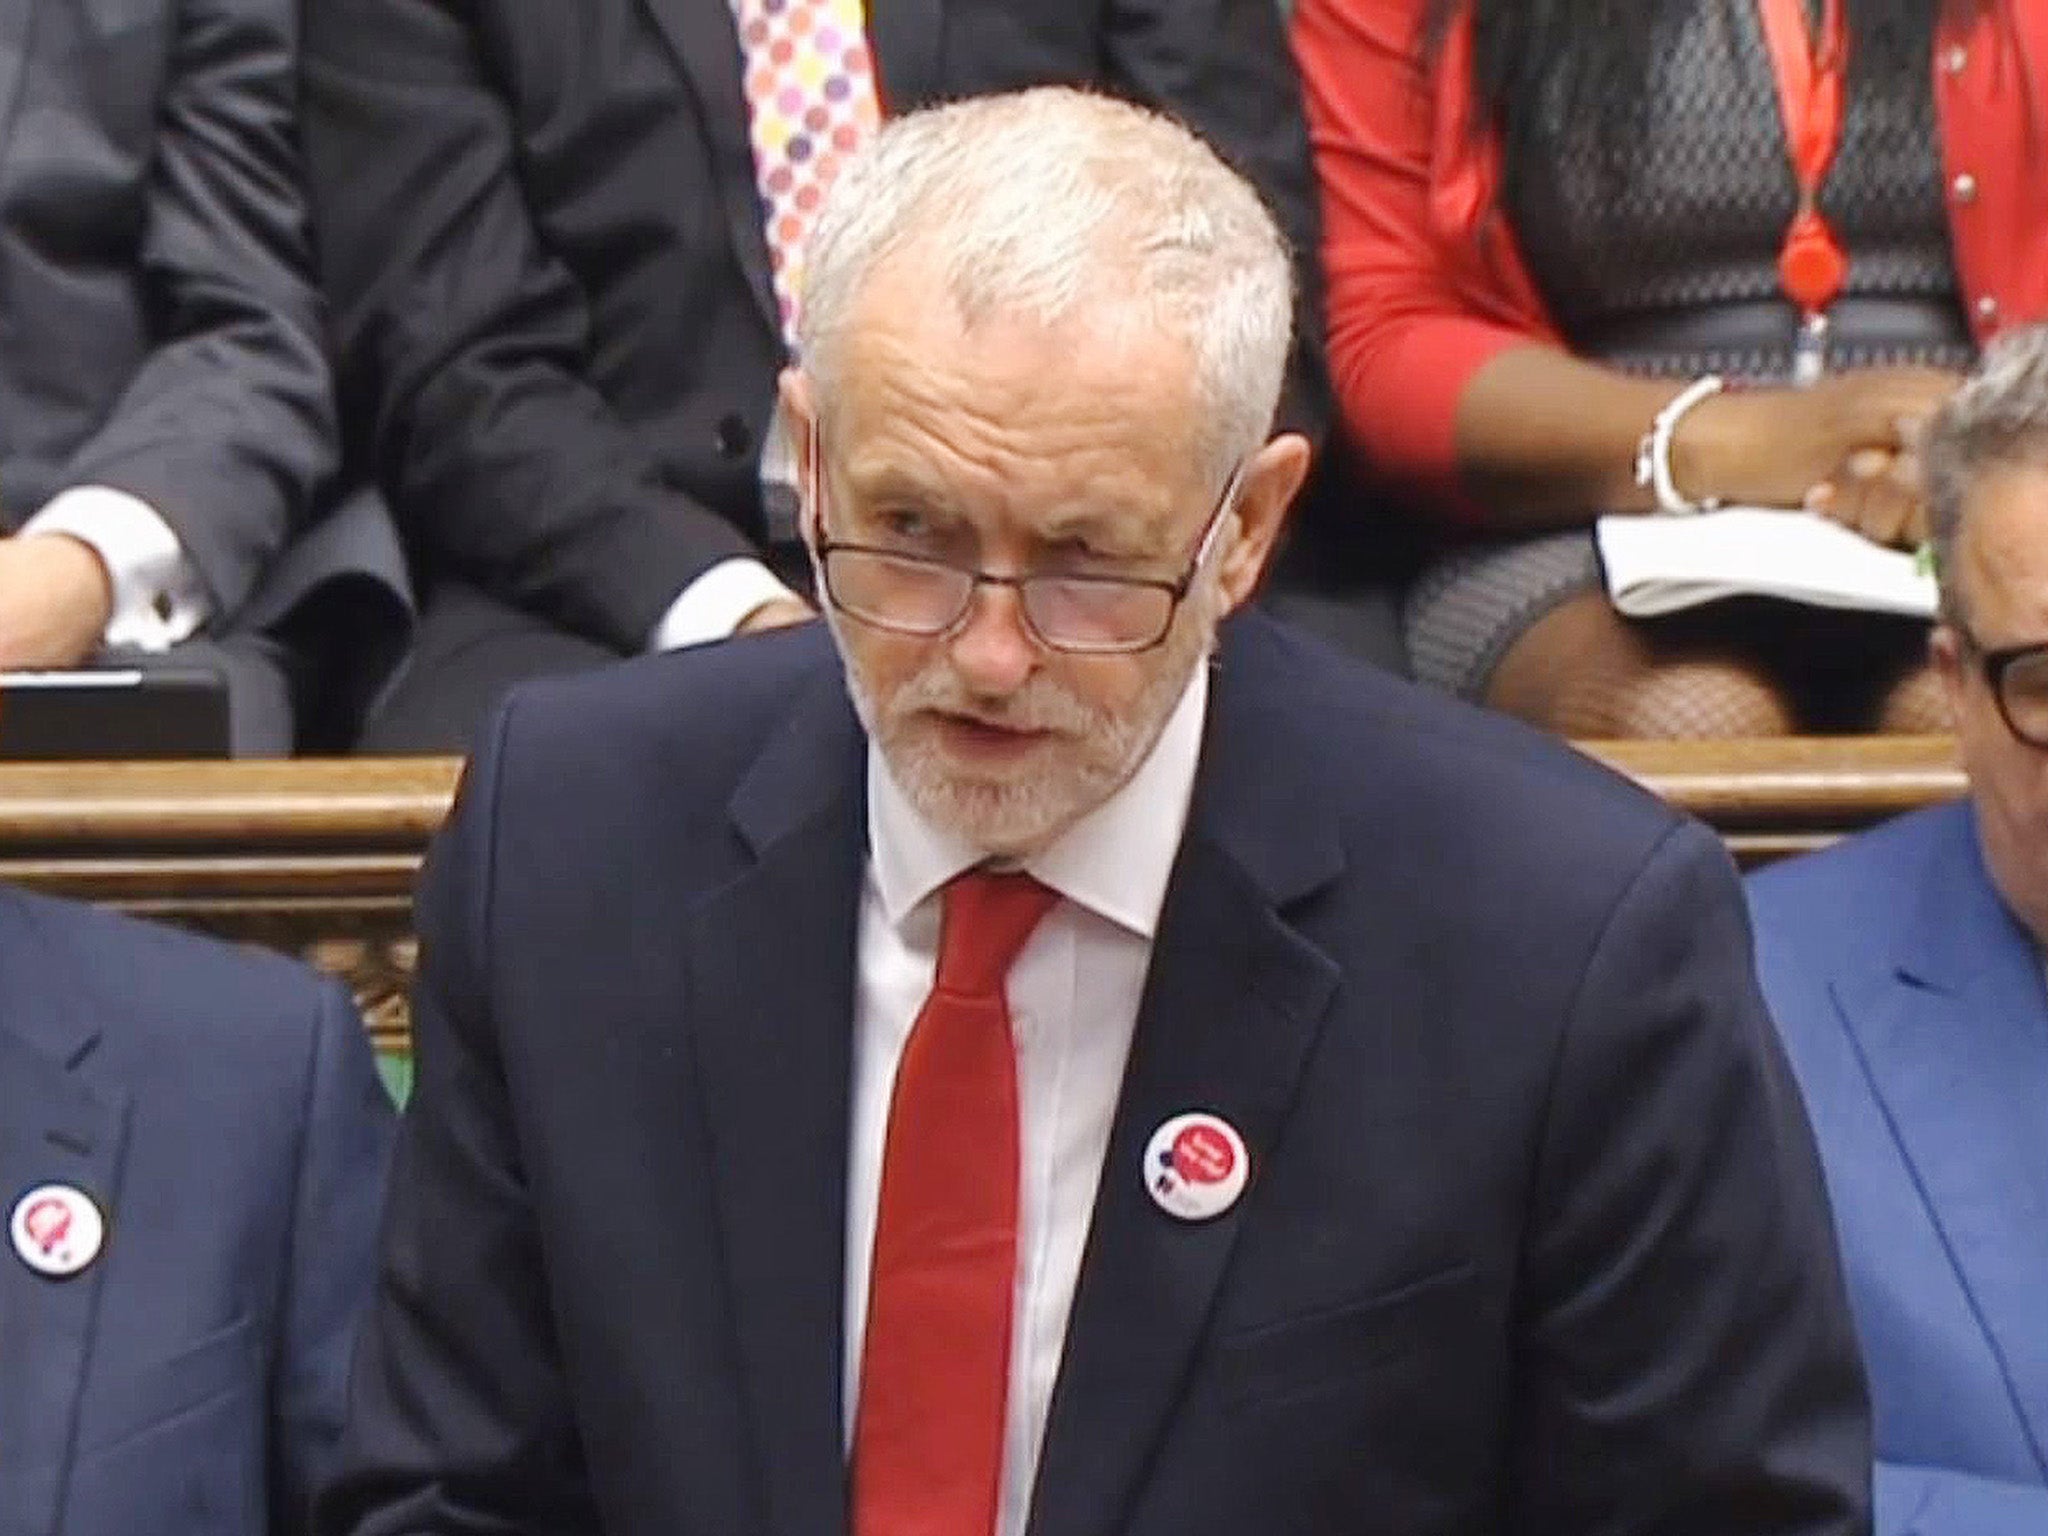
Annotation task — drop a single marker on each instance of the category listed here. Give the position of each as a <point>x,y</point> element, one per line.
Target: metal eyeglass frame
<point>1176,590</point>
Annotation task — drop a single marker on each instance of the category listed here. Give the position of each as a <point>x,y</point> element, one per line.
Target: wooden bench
<point>318,857</point>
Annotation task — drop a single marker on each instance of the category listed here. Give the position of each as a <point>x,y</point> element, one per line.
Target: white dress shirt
<point>158,598</point>
<point>1073,996</point>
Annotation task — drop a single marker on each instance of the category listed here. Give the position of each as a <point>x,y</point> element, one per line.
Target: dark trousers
<point>467,649</point>
<point>259,675</point>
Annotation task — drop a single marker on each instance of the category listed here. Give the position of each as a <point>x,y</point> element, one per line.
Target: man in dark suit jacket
<point>1905,969</point>
<point>193,1142</point>
<point>1390,1133</point>
<point>166,421</point>
<point>540,228</point>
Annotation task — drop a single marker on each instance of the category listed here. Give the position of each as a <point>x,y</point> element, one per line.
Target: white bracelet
<point>1653,452</point>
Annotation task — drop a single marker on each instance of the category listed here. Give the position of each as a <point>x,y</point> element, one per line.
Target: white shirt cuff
<point>158,597</point>
<point>713,606</point>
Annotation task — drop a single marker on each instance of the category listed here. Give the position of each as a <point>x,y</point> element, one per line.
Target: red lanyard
<point>1811,263</point>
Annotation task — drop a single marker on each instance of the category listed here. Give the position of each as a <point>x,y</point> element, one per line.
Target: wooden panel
<point>350,805</point>
<point>318,857</point>
<point>1772,798</point>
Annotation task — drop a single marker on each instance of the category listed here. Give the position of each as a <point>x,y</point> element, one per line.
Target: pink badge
<point>57,1230</point>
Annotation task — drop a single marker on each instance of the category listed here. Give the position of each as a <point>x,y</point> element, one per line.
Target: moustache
<point>1040,705</point>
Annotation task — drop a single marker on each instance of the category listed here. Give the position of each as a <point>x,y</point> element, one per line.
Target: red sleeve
<point>1403,339</point>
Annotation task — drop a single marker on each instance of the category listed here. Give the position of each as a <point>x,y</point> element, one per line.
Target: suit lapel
<point>56,1129</point>
<point>1954,1035</point>
<point>1233,1005</point>
<point>906,38</point>
<point>771,987</point>
<point>706,43</point>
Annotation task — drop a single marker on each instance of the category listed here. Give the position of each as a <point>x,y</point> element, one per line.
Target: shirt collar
<point>1115,861</point>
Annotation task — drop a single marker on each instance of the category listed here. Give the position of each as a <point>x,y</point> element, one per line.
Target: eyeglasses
<point>2017,676</point>
<point>928,596</point>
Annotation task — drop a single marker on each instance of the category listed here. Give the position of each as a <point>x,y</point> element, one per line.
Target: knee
<point>1694,698</point>
<point>1916,705</point>
<point>1585,671</point>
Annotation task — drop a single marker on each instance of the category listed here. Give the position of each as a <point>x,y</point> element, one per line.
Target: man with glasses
<point>1905,969</point>
<point>1082,1058</point>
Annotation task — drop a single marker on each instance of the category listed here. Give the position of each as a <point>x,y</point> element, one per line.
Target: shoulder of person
<point>1844,887</point>
<point>686,723</point>
<point>158,996</point>
<point>1866,869</point>
<point>1420,775</point>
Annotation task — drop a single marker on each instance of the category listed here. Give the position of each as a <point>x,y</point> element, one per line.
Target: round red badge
<point>1196,1166</point>
<point>1202,1154</point>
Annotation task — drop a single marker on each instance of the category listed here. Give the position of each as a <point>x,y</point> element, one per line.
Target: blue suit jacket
<point>1535,1239</point>
<point>222,1109</point>
<point>1912,1005</point>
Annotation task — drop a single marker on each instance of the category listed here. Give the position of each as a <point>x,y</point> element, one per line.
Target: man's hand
<point>55,600</point>
<point>776,613</point>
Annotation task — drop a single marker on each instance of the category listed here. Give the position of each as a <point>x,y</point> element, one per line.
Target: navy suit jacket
<point>1912,1006</point>
<point>222,1109</point>
<point>1535,1239</point>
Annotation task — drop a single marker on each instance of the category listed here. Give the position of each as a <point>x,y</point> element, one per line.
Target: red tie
<point>928,1433</point>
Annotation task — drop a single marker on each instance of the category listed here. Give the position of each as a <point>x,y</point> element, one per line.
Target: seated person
<point>1542,223</point>
<point>564,247</point>
<point>166,421</point>
<point>193,1143</point>
<point>1904,968</point>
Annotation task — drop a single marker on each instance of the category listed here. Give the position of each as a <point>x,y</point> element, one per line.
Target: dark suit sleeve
<point>1223,68</point>
<point>462,336</point>
<point>344,1154</point>
<point>1688,1359</point>
<point>460,1423</point>
<point>227,430</point>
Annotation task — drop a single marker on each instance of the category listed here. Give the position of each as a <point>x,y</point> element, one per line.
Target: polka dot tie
<point>811,103</point>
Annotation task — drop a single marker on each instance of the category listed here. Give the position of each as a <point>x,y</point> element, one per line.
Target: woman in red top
<point>1544,219</point>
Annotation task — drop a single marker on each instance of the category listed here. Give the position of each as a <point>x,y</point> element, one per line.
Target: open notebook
<point>1661,564</point>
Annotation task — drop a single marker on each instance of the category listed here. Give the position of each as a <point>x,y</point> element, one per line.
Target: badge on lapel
<point>57,1230</point>
<point>1196,1166</point>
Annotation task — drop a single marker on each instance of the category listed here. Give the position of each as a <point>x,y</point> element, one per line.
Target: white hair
<point>1052,201</point>
<point>1997,419</point>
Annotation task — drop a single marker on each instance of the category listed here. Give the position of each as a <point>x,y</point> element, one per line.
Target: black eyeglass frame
<point>1993,665</point>
<point>1176,590</point>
